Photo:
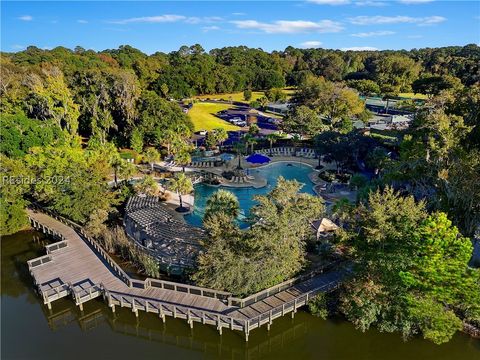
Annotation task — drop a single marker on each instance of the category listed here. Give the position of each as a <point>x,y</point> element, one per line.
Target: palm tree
<point>239,148</point>
<point>183,158</point>
<point>147,185</point>
<point>222,202</point>
<point>167,138</point>
<point>249,141</point>
<point>221,135</point>
<point>296,138</point>
<point>151,155</point>
<point>272,138</point>
<point>263,102</point>
<point>182,185</point>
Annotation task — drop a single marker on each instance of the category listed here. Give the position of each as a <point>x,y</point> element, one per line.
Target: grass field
<point>413,96</point>
<point>238,96</point>
<point>203,118</point>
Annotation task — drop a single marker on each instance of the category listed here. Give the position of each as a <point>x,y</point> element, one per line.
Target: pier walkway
<point>77,266</point>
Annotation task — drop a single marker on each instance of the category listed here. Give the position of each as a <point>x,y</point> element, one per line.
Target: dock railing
<point>242,302</point>
<point>79,230</point>
<point>224,296</point>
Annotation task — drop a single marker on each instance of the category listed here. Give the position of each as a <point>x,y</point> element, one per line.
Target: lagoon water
<point>271,172</point>
<point>31,331</point>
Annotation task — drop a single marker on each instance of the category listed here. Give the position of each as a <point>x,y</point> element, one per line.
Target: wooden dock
<point>77,266</point>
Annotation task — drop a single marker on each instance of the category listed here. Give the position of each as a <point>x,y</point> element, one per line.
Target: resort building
<point>278,108</point>
<point>155,229</point>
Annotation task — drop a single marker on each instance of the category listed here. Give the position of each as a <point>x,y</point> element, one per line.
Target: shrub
<point>318,306</point>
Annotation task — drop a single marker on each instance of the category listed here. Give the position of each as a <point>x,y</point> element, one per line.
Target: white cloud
<point>239,14</point>
<point>81,21</point>
<point>415,36</point>
<point>150,19</point>
<point>210,28</point>
<point>206,19</point>
<point>376,20</point>
<point>25,18</point>
<point>370,3</point>
<point>414,2</point>
<point>168,18</point>
<point>18,47</point>
<point>290,27</point>
<point>373,33</point>
<point>330,2</point>
<point>311,44</point>
<point>359,48</point>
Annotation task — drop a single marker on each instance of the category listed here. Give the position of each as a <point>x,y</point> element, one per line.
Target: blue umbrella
<point>226,157</point>
<point>258,159</point>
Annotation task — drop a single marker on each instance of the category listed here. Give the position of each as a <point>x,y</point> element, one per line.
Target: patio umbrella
<point>226,157</point>
<point>258,159</point>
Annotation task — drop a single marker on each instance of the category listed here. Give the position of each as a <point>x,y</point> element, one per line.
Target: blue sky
<point>270,25</point>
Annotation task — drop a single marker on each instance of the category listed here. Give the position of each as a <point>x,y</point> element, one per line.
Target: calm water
<point>290,171</point>
<point>30,331</point>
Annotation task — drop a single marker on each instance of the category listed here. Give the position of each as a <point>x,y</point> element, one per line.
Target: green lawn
<point>203,118</point>
<point>238,96</point>
<point>413,96</point>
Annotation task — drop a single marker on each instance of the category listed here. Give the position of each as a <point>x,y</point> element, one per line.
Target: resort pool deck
<point>271,172</point>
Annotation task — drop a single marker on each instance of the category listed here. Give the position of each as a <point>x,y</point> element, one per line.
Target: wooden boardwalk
<point>76,265</point>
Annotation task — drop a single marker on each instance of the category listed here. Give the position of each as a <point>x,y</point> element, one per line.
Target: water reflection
<point>65,331</point>
<point>202,338</point>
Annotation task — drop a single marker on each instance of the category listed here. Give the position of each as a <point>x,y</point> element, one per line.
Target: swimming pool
<point>271,172</point>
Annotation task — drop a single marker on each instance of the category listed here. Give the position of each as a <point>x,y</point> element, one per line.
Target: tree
<point>239,148</point>
<point>249,140</point>
<point>272,138</point>
<point>434,85</point>
<point>275,95</point>
<point>147,185</point>
<point>334,101</point>
<point>126,170</point>
<point>274,247</point>
<point>20,133</point>
<point>151,155</point>
<point>247,94</point>
<point>15,184</point>
<point>183,158</point>
<point>216,137</point>
<point>305,121</point>
<point>51,99</point>
<point>72,181</point>
<point>164,90</point>
<point>357,181</point>
<point>403,258</point>
<point>182,185</point>
<point>221,135</point>
<point>168,138</point>
<point>377,159</point>
<point>440,279</point>
<point>222,202</point>
<point>136,140</point>
<point>364,86</point>
<point>396,72</point>
<point>263,101</point>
